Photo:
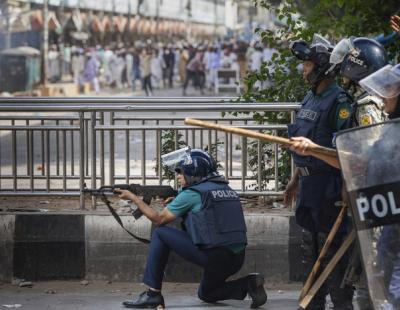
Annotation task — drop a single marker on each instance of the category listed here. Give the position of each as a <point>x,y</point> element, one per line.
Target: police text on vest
<point>224,194</point>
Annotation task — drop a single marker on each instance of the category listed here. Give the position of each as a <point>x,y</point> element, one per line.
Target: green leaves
<point>340,3</point>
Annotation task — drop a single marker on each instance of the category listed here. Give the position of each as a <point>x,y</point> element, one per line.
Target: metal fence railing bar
<point>54,146</point>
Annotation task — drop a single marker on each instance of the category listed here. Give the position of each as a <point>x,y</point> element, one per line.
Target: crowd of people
<point>154,65</point>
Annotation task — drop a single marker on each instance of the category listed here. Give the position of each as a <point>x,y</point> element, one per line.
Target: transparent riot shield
<point>370,161</point>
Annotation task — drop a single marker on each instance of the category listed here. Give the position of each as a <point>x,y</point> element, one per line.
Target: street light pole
<point>215,17</point>
<point>158,3</point>
<point>189,19</point>
<point>7,13</point>
<point>45,42</point>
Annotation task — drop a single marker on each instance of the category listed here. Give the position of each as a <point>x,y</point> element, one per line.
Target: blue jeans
<point>136,75</point>
<point>218,263</point>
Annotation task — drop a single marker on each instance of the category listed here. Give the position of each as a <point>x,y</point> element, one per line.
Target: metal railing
<point>54,146</point>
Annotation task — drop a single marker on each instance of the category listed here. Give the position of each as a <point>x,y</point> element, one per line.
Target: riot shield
<point>370,161</point>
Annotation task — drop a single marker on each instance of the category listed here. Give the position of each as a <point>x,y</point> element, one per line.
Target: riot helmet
<point>358,57</point>
<point>318,52</point>
<point>196,165</point>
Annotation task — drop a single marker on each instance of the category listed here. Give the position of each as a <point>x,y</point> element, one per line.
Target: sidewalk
<point>63,295</point>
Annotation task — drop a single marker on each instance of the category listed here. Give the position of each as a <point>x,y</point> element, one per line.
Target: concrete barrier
<point>50,246</point>
<point>6,247</point>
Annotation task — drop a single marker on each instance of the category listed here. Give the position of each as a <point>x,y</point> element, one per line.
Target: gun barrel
<point>97,191</point>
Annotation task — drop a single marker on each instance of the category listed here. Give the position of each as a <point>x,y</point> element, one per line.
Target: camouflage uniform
<point>367,110</point>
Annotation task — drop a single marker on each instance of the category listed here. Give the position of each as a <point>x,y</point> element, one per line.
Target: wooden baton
<point>315,269</point>
<point>328,269</point>
<point>257,135</point>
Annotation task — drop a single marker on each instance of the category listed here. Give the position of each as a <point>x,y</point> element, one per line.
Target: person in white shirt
<point>157,66</point>
<point>129,65</point>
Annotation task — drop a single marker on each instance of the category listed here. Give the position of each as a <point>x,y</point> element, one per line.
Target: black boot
<point>255,288</point>
<point>148,299</point>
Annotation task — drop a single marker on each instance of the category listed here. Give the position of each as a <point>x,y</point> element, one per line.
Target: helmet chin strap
<point>318,80</point>
<point>351,87</point>
<point>314,85</point>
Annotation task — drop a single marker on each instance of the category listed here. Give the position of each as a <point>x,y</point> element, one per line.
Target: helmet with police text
<point>384,83</point>
<point>363,57</point>
<point>318,52</point>
<point>196,165</point>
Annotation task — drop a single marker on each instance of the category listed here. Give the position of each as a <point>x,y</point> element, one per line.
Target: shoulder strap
<point>118,219</point>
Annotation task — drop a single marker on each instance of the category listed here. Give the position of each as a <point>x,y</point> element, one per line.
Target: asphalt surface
<point>63,295</point>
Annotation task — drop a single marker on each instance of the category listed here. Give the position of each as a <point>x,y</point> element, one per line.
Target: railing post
<point>292,119</point>
<point>93,156</point>
<point>259,161</point>
<point>101,146</point>
<point>112,157</point>
<point>82,158</point>
<point>14,156</point>
<point>143,155</point>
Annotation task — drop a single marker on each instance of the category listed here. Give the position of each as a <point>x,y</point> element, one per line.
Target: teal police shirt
<point>189,200</point>
<point>340,112</point>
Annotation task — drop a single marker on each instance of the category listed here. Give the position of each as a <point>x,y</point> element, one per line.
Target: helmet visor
<point>383,83</point>
<point>340,51</point>
<point>181,157</point>
<point>301,50</point>
<point>321,44</point>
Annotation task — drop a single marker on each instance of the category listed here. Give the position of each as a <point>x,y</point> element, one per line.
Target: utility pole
<point>60,18</point>
<point>45,42</point>
<point>7,13</point>
<point>158,4</point>
<point>127,31</point>
<point>189,19</point>
<point>139,5</point>
<point>215,17</point>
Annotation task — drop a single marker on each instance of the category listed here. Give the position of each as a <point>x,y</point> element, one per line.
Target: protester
<point>145,68</point>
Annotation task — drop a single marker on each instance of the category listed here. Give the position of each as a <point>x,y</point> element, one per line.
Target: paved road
<point>102,296</point>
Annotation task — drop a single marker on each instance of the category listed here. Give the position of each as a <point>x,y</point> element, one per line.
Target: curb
<point>38,246</point>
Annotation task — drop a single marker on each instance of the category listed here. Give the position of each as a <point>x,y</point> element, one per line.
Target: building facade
<point>105,21</point>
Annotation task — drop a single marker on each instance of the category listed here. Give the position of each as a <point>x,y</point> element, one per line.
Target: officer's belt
<point>307,171</point>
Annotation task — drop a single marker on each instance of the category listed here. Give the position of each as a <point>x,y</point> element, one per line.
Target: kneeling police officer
<point>214,236</point>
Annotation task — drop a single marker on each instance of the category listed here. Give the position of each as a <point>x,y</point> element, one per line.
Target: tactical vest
<point>220,221</point>
<point>312,121</point>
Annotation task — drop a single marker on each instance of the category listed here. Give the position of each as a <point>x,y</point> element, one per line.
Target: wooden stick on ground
<point>257,135</point>
<point>324,275</point>
<point>323,252</point>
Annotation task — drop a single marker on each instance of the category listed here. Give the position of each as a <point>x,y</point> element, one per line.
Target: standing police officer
<point>215,236</point>
<point>324,111</point>
<point>358,58</point>
<point>385,83</point>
